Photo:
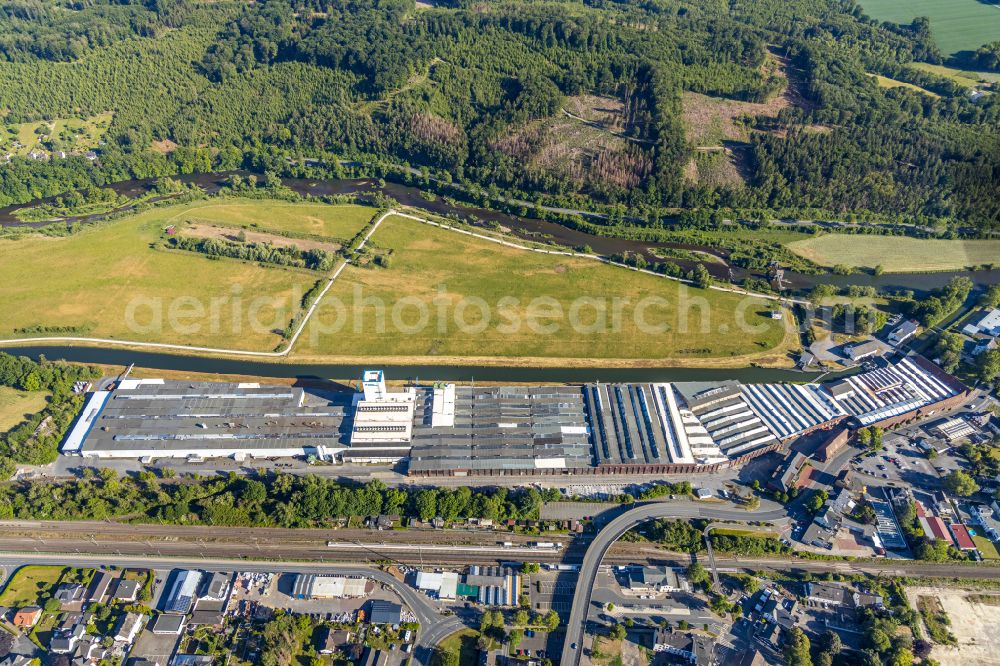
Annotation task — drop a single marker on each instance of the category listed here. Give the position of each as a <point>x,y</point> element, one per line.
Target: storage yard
<point>448,430</point>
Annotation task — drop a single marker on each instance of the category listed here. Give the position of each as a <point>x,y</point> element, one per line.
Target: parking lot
<point>900,462</point>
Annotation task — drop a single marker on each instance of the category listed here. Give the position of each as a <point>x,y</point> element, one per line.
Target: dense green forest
<point>481,93</point>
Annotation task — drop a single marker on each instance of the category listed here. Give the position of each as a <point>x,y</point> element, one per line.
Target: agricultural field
<point>15,405</point>
<point>339,223</point>
<point>957,25</point>
<point>961,77</point>
<point>886,82</point>
<point>115,279</point>
<point>539,308</point>
<point>896,254</point>
<point>71,135</point>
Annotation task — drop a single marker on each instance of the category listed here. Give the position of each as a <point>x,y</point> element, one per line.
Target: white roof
<point>337,586</point>
<point>74,441</point>
<point>443,407</point>
<point>429,581</point>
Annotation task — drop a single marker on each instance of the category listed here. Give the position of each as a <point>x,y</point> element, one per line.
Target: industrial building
<point>155,418</point>
<point>503,430</point>
<point>318,586</point>
<point>448,430</point>
<point>183,592</point>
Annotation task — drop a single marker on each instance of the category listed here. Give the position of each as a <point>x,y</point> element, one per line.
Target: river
<point>456,373</point>
<point>540,231</point>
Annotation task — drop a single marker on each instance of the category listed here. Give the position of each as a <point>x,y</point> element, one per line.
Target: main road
<point>576,627</point>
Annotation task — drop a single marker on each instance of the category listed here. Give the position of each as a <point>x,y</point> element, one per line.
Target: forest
<point>478,94</point>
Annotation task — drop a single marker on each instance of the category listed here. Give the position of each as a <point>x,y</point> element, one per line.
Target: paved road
<point>576,626</point>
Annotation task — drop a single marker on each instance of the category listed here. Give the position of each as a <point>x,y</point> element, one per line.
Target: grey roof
<point>126,589</point>
<point>506,428</point>
<point>214,415</point>
<point>167,623</point>
<point>98,586</point>
<point>385,612</point>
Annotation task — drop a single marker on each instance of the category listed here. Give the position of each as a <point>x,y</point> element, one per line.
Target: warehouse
<point>895,393</point>
<point>318,586</point>
<point>729,420</point>
<point>156,418</point>
<point>505,430</point>
<point>183,592</point>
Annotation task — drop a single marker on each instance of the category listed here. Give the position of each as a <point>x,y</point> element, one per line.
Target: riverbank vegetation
<point>451,296</point>
<point>477,95</point>
<point>33,437</point>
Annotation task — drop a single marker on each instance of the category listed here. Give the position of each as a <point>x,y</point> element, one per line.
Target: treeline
<point>284,500</point>
<point>35,441</point>
<point>265,253</point>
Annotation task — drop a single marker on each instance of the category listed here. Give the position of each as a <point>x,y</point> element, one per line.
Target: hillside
<point>589,104</point>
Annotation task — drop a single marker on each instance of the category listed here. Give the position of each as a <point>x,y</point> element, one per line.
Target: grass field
<point>108,279</point>
<point>67,134</point>
<point>14,405</point>
<point>336,222</point>
<point>886,82</point>
<point>896,254</point>
<point>464,644</point>
<point>447,276</point>
<point>961,77</point>
<point>28,584</point>
<point>986,548</point>
<point>957,25</point>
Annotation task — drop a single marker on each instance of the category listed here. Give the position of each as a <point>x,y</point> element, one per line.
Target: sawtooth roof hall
<point>448,430</point>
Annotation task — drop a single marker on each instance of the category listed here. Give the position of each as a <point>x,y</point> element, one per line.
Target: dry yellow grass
<point>373,312</point>
<point>896,254</point>
<point>108,280</point>
<point>15,405</point>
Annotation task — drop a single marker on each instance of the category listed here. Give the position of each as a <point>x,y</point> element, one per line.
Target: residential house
<point>903,332</point>
<point>27,617</point>
<point>832,595</point>
<point>217,587</point>
<point>331,640</point>
<point>65,641</point>
<point>98,587</point>
<point>863,350</point>
<point>126,590</point>
<point>790,472</point>
<point>70,593</point>
<point>780,611</point>
<point>988,323</point>
<point>695,648</point>
<point>983,516</point>
<point>128,627</point>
